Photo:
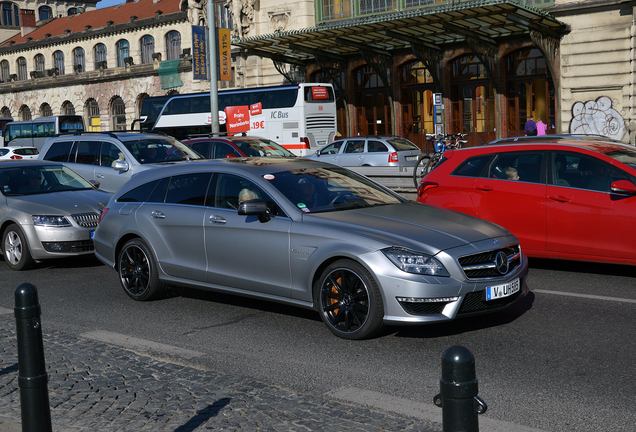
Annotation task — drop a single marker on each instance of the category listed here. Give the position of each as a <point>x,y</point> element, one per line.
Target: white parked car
<point>14,152</point>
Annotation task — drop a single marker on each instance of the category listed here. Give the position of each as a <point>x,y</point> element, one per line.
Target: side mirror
<point>318,152</point>
<point>94,183</point>
<point>120,165</point>
<point>255,207</point>
<point>623,187</point>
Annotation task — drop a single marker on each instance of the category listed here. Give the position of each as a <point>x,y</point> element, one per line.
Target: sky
<point>107,3</point>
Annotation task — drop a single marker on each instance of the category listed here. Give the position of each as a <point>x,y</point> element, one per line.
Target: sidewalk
<point>94,386</point>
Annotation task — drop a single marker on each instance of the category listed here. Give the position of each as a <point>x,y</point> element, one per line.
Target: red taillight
<point>15,157</point>
<point>102,214</point>
<point>393,157</point>
<point>305,141</point>
<point>424,187</point>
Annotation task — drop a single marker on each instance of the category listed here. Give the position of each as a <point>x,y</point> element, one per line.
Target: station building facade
<point>496,63</point>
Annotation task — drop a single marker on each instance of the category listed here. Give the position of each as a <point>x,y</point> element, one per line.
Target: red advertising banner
<point>238,118</point>
<point>318,93</point>
<point>256,109</point>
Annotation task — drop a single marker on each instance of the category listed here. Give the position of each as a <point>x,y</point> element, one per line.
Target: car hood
<point>412,225</point>
<point>69,202</point>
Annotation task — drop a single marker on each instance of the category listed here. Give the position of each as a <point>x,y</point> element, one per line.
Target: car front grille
<point>486,265</point>
<point>86,220</point>
<point>69,247</point>
<point>475,302</point>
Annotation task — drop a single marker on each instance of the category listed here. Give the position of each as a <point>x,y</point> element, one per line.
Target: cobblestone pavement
<point>94,386</point>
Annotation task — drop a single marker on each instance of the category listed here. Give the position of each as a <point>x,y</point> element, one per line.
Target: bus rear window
<point>319,94</point>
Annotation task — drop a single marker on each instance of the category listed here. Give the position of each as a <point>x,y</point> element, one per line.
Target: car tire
<point>138,271</point>
<point>15,249</point>
<point>419,171</point>
<point>349,300</point>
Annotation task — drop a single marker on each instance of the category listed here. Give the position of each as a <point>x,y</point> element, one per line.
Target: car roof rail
<point>216,134</point>
<point>85,133</point>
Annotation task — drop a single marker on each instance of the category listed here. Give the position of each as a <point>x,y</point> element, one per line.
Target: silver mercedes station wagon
<point>309,234</point>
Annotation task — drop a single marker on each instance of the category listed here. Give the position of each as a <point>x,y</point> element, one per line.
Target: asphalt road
<point>563,360</point>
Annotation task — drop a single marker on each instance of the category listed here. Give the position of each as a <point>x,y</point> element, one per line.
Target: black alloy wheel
<point>138,272</point>
<point>350,301</point>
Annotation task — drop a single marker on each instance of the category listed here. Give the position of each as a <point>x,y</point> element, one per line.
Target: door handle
<point>157,214</point>
<point>101,176</point>
<point>483,188</point>
<point>215,219</point>
<point>559,198</point>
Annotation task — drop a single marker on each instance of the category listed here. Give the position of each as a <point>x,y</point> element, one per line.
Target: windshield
<point>626,156</point>
<point>402,144</point>
<point>158,150</point>
<point>329,189</point>
<point>40,180</point>
<point>261,147</point>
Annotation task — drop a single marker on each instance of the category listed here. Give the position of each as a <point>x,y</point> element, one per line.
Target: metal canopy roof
<point>486,20</point>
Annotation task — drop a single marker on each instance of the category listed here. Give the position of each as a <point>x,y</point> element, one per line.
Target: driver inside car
<point>306,195</point>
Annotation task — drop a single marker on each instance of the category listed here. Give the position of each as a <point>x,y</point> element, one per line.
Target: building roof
<point>99,18</point>
<point>486,21</point>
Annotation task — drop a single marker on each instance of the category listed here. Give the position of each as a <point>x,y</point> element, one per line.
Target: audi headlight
<point>50,221</point>
<point>415,262</point>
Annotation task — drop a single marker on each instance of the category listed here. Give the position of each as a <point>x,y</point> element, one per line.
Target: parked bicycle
<point>426,163</point>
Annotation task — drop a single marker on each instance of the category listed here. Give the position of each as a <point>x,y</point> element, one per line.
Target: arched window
<point>147,48</point>
<point>79,63</point>
<point>10,14</point>
<point>58,62</point>
<point>68,108</point>
<point>5,112</point>
<point>45,13</point>
<point>22,69</point>
<point>173,45</point>
<point>100,53</point>
<point>92,112</point>
<point>24,113</point>
<point>72,11</point>
<point>40,64</point>
<point>5,70</point>
<point>118,115</point>
<point>45,110</point>
<point>123,51</point>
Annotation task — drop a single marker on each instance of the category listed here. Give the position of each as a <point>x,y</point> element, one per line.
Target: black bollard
<point>32,376</point>
<point>458,392</point>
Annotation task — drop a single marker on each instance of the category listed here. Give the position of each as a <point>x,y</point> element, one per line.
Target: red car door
<point>584,219</point>
<point>516,204</point>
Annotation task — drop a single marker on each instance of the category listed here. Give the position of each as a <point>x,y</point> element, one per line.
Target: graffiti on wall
<point>597,117</point>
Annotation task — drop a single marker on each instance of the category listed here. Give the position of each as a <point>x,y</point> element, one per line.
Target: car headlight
<point>415,262</point>
<point>50,221</point>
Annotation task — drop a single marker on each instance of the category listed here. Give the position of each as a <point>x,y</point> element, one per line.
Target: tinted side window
<point>203,148</point>
<point>332,148</point>
<point>230,190</point>
<point>88,152</point>
<point>376,147</point>
<point>221,150</point>
<point>59,151</point>
<point>523,166</point>
<point>354,146</point>
<point>110,153</point>
<point>140,193</point>
<point>472,167</point>
<point>188,189</point>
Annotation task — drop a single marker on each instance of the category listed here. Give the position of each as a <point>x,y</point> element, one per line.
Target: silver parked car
<point>309,234</point>
<point>110,159</point>
<point>369,151</point>
<point>46,211</point>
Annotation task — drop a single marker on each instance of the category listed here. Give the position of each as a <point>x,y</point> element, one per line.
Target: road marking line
<point>142,345</point>
<point>589,296</point>
<point>427,412</point>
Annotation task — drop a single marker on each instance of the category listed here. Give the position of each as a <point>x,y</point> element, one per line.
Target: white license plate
<point>501,291</point>
<point>411,158</point>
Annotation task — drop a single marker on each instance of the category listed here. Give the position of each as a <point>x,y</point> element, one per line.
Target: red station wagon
<point>568,200</point>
